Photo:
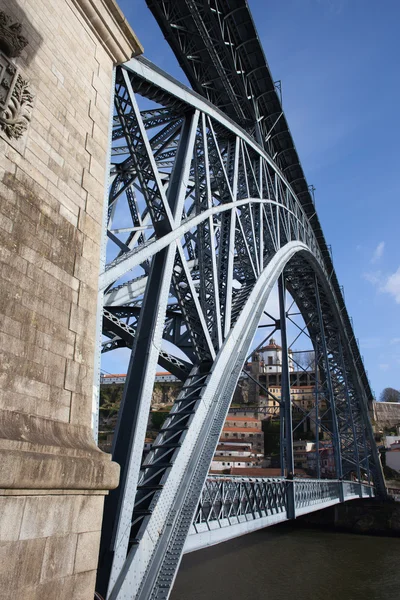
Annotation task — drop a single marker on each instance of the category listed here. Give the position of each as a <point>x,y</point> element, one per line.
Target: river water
<point>287,563</point>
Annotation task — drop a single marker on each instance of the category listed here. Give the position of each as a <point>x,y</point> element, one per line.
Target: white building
<point>393,457</point>
<point>271,356</point>
<point>391,439</point>
<point>221,463</point>
<point>161,377</point>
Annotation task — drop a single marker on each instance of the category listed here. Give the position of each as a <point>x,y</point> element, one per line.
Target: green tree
<point>390,395</point>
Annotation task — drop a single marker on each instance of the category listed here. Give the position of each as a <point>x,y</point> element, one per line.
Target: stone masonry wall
<point>52,475</point>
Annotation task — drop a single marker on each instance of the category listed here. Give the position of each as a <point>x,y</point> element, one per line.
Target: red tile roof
<point>228,447</point>
<point>244,419</point>
<point>242,429</point>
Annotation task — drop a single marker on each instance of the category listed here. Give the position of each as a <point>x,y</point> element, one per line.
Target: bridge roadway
<point>233,506</point>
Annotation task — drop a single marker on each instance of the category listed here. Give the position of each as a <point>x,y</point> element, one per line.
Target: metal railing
<point>230,500</point>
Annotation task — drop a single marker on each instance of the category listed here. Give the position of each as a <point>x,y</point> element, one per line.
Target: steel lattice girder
<point>213,229</point>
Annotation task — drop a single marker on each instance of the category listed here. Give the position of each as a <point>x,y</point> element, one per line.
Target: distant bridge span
<point>208,209</point>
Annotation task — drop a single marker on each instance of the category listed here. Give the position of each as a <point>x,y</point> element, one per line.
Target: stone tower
<point>56,64</point>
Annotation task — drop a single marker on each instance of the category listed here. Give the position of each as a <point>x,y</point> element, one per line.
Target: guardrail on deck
<point>244,504</point>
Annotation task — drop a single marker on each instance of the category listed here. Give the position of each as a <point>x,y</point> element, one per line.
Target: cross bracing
<point>201,224</point>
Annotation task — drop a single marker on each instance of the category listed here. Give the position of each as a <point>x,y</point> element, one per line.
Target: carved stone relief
<point>16,100</point>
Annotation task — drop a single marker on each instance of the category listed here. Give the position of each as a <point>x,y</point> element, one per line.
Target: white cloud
<point>374,277</point>
<point>378,252</point>
<point>384,367</point>
<point>394,341</point>
<point>392,285</point>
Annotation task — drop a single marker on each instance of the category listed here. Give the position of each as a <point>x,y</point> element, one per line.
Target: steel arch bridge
<point>219,211</point>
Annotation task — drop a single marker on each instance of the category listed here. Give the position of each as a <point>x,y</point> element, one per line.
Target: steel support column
<point>135,406</point>
<point>318,464</point>
<point>286,399</point>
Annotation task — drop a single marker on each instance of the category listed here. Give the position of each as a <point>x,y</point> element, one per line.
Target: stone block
<point>92,185</point>
<point>72,376</point>
<point>80,319</point>
<point>97,115</point>
<point>6,223</point>
<point>69,216</point>
<point>61,589</point>
<point>89,513</point>
<point>84,347</point>
<point>46,516</point>
<point>98,170</point>
<point>59,557</point>
<point>91,251</point>
<point>95,149</point>
<point>31,387</point>
<point>84,271</point>
<point>87,296</point>
<point>20,564</point>
<point>81,406</point>
<point>84,585</point>
<point>95,207</point>
<point>89,226</point>
<point>87,551</point>
<point>10,326</point>
<point>11,511</point>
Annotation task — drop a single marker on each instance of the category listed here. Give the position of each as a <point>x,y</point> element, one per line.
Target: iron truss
<point>213,224</point>
<point>218,48</point>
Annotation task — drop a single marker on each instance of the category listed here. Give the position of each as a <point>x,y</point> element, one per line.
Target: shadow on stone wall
<point>18,24</point>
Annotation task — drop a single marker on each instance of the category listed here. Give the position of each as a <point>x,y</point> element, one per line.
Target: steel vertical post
<point>366,457</point>
<point>282,437</point>
<point>316,358</point>
<point>286,400</point>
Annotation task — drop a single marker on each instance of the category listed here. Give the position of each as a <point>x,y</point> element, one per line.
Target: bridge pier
<point>57,76</point>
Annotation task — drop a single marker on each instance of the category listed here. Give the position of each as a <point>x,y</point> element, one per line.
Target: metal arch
<point>161,549</point>
<point>222,224</point>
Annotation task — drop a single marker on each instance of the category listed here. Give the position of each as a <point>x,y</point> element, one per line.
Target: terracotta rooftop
<point>244,419</point>
<point>109,375</point>
<point>235,459</point>
<point>113,375</point>
<point>259,472</point>
<point>242,429</point>
<point>234,441</point>
<point>227,447</point>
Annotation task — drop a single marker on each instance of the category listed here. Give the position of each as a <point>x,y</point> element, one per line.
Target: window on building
<point>270,360</point>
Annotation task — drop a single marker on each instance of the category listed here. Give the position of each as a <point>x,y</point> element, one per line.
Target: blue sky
<point>338,61</point>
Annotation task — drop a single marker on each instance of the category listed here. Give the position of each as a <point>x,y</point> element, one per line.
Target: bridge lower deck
<point>230,507</point>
